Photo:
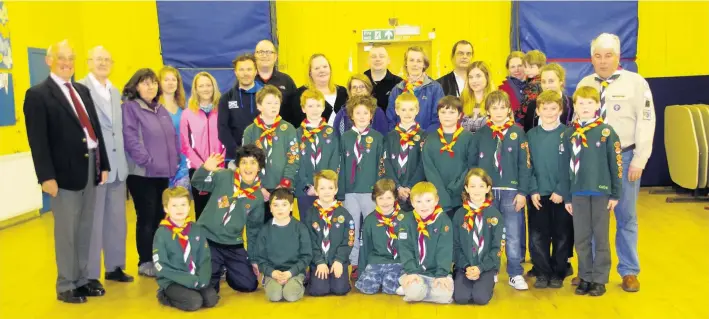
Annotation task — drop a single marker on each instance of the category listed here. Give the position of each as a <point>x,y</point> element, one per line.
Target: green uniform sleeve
<point>615,165</point>
<point>344,249</point>
<point>366,244</point>
<point>318,257</point>
<point>264,264</point>
<point>205,263</point>
<point>205,180</point>
<point>248,136</point>
<point>444,250</point>
<point>165,269</point>
<point>524,165</point>
<point>432,174</point>
<point>406,245</point>
<point>305,252</point>
<point>302,181</point>
<point>293,157</point>
<point>343,171</point>
<point>254,224</point>
<point>461,262</point>
<point>564,178</point>
<point>389,169</point>
<point>334,161</point>
<point>491,260</point>
<point>418,175</point>
<point>381,158</point>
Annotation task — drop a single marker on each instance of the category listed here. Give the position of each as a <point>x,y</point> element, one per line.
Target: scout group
<point>420,199</point>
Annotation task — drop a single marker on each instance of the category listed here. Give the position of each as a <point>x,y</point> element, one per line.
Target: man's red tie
<point>83,118</point>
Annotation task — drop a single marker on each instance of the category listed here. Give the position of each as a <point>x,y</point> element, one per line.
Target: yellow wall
<point>129,30</point>
<point>335,28</point>
<point>673,38</point>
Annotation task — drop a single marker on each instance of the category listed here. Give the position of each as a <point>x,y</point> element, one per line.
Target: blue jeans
<point>626,236</point>
<point>514,219</point>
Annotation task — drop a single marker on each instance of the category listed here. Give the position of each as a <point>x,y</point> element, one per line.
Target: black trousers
<point>183,298</point>
<point>477,292</point>
<point>552,234</point>
<point>331,286</point>
<point>239,274</point>
<point>200,200</point>
<point>451,212</point>
<point>147,199</point>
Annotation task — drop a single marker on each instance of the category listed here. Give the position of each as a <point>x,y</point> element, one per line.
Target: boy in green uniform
<point>181,256</point>
<point>319,149</point>
<point>284,250</point>
<point>332,234</point>
<point>447,154</point>
<point>236,202</point>
<point>277,139</point>
<point>362,150</point>
<point>549,223</point>
<point>425,246</point>
<point>478,241</point>
<point>402,153</point>
<point>503,152</point>
<point>591,177</point>
<point>378,256</point>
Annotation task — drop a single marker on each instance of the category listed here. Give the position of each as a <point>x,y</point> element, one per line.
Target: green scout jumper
<point>223,228</point>
<point>544,147</point>
<point>341,235</point>
<point>284,248</point>
<point>328,146</point>
<point>493,231</point>
<point>412,171</point>
<point>169,259</point>
<point>373,249</point>
<point>445,172</point>
<point>600,167</point>
<point>438,253</point>
<point>516,161</point>
<point>360,178</point>
<point>282,157</point>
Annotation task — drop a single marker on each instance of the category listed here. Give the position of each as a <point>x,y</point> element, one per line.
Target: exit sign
<point>378,35</point>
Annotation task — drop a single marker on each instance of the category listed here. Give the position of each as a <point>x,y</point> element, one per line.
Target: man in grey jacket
<point>109,224</point>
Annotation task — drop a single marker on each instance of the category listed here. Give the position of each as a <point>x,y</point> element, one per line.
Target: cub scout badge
<point>603,139</point>
<point>493,221</point>
<point>369,139</point>
<point>208,179</point>
<point>445,229</point>
<point>328,130</point>
<point>617,147</point>
<point>598,144</point>
<point>606,132</point>
<point>223,202</point>
<point>341,219</point>
<point>247,206</point>
<point>400,217</point>
<point>403,235</point>
<point>284,127</point>
<point>417,138</point>
<point>316,226</point>
<point>513,136</point>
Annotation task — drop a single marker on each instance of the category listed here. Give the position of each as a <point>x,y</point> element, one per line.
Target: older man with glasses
<point>266,57</point>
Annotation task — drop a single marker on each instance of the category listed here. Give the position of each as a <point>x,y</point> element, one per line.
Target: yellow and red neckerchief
<point>388,221</point>
<point>246,192</point>
<point>268,133</point>
<point>468,220</point>
<point>499,131</point>
<point>308,134</point>
<point>448,147</point>
<point>581,130</point>
<point>408,136</point>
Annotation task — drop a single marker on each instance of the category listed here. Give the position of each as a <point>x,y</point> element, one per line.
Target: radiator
<point>19,191</point>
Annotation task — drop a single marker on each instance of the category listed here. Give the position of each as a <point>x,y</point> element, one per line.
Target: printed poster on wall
<point>7,100</point>
<point>5,51</point>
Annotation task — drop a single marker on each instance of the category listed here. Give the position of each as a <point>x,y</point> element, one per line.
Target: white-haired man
<point>626,105</point>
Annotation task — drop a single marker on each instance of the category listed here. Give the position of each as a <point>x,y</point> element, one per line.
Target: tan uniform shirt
<point>630,111</point>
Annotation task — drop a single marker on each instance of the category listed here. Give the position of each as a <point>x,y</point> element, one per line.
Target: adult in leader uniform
<point>70,160</point>
<point>626,105</point>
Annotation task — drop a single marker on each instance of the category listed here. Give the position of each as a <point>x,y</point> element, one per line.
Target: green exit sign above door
<point>378,35</point>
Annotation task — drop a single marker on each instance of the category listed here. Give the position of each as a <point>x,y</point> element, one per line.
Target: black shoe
<point>583,287</point>
<point>597,290</point>
<point>92,289</point>
<point>542,282</point>
<point>532,273</point>
<point>118,275</point>
<point>556,282</point>
<point>71,296</point>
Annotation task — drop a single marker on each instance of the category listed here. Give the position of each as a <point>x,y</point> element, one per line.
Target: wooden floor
<point>674,255</point>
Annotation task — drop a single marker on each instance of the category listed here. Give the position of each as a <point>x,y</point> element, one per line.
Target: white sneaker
<point>495,278</point>
<point>400,291</point>
<point>518,283</point>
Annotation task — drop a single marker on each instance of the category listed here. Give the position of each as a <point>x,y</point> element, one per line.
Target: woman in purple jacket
<point>151,145</point>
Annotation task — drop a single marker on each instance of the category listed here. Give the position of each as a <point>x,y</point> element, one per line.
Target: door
<point>38,72</point>
<point>396,51</point>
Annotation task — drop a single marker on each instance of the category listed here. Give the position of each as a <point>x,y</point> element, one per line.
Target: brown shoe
<point>576,281</point>
<point>631,283</point>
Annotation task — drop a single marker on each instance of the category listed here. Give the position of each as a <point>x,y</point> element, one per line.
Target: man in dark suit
<point>70,160</point>
<point>453,83</point>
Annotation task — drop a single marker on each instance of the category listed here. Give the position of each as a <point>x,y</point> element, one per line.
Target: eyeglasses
<point>462,54</point>
<point>265,52</point>
<point>358,87</point>
<point>102,60</point>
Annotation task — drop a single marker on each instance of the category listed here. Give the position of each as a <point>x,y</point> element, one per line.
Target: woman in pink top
<point>198,130</point>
